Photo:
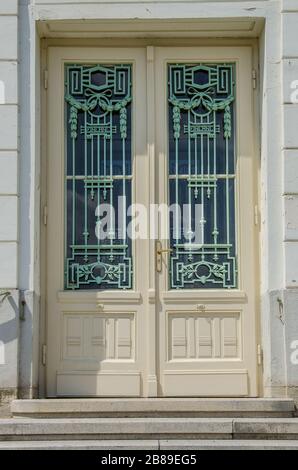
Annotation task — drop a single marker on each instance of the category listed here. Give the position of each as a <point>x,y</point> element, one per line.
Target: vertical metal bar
<point>215,229</point>
<point>203,195</point>
<point>196,158</point>
<point>176,186</point>
<point>85,191</point>
<point>189,171</point>
<point>98,191</point>
<point>73,192</point>
<point>227,191</point>
<point>208,165</point>
<point>123,192</point>
<point>92,157</point>
<point>104,162</point>
<point>111,230</point>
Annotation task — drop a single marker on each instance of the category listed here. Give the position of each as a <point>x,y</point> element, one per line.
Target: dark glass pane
<point>202,175</point>
<point>98,176</point>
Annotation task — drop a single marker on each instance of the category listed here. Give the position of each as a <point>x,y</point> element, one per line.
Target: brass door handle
<point>159,252</point>
<point>169,250</point>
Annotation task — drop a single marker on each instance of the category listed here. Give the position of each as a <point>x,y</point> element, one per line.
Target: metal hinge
<point>44,355</point>
<point>254,78</point>
<point>45,215</point>
<point>45,79</point>
<point>260,355</point>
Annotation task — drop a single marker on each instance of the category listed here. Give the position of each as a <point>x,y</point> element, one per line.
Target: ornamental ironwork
<point>201,100</point>
<point>98,171</point>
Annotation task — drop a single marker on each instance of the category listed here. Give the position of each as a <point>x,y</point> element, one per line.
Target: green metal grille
<point>202,172</point>
<point>98,171</point>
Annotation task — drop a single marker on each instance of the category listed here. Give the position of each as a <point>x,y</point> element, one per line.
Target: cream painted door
<point>96,289</point>
<point>205,151</point>
<point>156,126</point>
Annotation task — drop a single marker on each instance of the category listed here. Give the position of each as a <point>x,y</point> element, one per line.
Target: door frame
<point>150,133</point>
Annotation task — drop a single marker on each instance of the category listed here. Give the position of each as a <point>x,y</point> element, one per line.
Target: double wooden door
<point>151,246</point>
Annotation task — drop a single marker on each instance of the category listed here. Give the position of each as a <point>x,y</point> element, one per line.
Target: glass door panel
<point>202,175</point>
<point>98,100</point>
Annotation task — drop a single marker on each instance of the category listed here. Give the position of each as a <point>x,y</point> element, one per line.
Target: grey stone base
<point>282,392</point>
<point>7,395</point>
<point>100,429</point>
<point>27,393</point>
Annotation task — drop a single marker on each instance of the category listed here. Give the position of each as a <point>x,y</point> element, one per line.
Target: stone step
<point>114,428</point>
<point>147,428</point>
<point>152,445</point>
<point>153,407</point>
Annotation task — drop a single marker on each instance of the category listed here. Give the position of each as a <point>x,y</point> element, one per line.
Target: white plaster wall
<point>9,198</point>
<point>290,186</point>
<point>146,9</point>
<point>8,142</point>
<point>9,7</point>
<point>9,329</point>
<point>272,334</point>
<point>29,213</point>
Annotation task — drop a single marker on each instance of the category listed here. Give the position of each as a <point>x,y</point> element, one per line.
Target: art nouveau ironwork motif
<point>98,170</point>
<point>202,172</point>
